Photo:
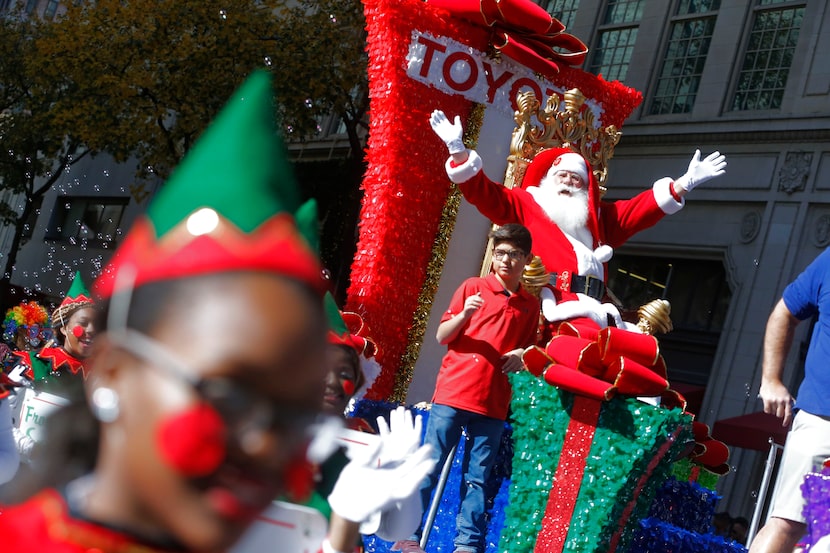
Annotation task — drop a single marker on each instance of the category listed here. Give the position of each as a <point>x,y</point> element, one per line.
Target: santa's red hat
<point>566,159</point>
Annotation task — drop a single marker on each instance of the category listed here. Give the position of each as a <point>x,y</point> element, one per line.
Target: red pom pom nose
<point>193,442</point>
<point>78,331</point>
<point>348,387</point>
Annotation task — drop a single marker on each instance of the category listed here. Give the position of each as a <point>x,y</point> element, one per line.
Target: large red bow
<point>617,361</point>
<point>523,31</point>
<point>708,452</point>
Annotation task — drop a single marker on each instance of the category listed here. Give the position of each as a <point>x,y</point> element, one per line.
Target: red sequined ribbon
<point>522,30</point>
<point>568,477</point>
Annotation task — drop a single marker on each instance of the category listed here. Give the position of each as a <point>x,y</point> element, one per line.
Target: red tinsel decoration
<point>405,186</point>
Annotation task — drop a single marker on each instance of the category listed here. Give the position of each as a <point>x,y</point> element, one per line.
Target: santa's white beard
<point>568,211</point>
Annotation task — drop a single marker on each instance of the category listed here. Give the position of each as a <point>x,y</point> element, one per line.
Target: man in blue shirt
<point>808,442</point>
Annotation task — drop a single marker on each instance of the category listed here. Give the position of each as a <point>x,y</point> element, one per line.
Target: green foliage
<point>31,147</point>
<point>320,64</point>
<point>144,78</point>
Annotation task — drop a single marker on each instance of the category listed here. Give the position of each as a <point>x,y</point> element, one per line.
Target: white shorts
<point>807,446</point>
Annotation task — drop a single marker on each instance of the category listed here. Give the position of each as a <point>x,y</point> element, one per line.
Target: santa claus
<point>574,231</point>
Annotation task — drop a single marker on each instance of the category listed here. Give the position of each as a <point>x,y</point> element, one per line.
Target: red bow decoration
<point>708,452</point>
<point>614,361</point>
<point>523,31</point>
<point>618,361</point>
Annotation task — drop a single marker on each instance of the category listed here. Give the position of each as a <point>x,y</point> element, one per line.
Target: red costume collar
<point>63,529</point>
<point>495,286</point>
<point>58,359</point>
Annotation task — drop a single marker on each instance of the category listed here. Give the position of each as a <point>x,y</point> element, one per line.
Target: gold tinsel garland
<point>435,266</point>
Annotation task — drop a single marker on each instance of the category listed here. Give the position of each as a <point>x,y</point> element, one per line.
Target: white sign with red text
<point>456,68</point>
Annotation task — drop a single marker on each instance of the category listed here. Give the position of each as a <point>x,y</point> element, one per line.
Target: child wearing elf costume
<point>208,370</point>
<point>352,370</point>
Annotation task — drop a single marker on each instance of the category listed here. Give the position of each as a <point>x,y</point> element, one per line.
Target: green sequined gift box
<point>600,496</point>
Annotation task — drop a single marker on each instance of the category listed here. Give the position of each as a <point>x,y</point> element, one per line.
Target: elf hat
<point>567,160</point>
<point>231,205</point>
<point>78,297</point>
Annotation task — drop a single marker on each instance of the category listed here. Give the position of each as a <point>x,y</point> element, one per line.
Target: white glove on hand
<point>400,438</point>
<point>699,171</point>
<point>450,133</point>
<point>368,484</point>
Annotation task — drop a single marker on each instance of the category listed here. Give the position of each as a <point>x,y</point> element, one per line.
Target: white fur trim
<point>572,162</point>
<point>663,197</point>
<point>584,306</point>
<point>587,263</point>
<point>371,370</point>
<point>465,171</point>
<point>604,253</point>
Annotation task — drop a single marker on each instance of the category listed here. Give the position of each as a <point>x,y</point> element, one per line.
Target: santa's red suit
<point>579,270</point>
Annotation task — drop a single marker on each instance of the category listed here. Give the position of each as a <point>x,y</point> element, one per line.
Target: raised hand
<point>369,484</point>
<point>450,133</point>
<point>401,437</point>
<point>700,171</point>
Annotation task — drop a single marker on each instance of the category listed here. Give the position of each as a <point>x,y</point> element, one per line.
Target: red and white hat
<point>571,162</point>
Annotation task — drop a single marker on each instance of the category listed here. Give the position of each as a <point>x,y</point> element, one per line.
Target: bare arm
<point>343,535</point>
<point>777,341</point>
<point>449,329</point>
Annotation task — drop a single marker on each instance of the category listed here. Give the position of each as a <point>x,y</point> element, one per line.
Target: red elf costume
<point>197,225</point>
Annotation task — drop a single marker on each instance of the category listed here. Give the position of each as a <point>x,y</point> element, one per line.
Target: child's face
<point>79,343</point>
<point>509,260</point>
<point>341,380</point>
<point>262,338</point>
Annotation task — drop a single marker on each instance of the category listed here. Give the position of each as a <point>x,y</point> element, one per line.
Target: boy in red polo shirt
<point>488,324</point>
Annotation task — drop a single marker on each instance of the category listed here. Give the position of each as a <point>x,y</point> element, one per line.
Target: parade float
<point>586,454</point>
<point>816,491</point>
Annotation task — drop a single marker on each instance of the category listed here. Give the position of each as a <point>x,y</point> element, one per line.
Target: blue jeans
<point>443,431</point>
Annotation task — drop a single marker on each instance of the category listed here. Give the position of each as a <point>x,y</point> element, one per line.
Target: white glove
<point>399,521</point>
<point>24,443</point>
<point>699,171</point>
<point>450,133</point>
<point>368,484</point>
<point>821,546</point>
<point>400,438</point>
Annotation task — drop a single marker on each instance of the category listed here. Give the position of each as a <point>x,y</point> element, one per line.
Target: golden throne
<point>566,122</point>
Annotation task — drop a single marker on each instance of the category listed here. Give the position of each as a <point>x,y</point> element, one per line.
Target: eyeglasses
<point>515,255</point>
<point>248,414</point>
<point>573,177</point>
